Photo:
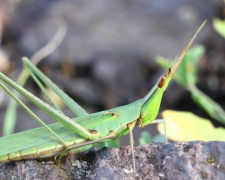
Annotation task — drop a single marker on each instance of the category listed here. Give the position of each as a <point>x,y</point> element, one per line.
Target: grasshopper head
<point>152,101</point>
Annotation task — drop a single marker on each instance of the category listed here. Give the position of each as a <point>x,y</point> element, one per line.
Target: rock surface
<point>191,160</point>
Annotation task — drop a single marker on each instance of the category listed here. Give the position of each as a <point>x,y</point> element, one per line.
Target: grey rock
<point>191,160</point>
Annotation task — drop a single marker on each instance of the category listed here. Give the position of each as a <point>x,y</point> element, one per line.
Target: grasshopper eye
<point>162,82</point>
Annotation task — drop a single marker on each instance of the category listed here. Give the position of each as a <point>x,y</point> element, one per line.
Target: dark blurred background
<point>107,57</point>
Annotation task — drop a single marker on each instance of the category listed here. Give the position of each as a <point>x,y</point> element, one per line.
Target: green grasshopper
<point>86,130</point>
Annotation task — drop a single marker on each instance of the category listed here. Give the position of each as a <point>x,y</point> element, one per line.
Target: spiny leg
<point>62,118</point>
<point>164,123</point>
<point>131,126</point>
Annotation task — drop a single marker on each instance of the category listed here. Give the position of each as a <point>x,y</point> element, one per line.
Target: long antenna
<point>180,58</point>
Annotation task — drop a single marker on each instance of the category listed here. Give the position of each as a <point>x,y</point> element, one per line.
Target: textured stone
<point>191,160</point>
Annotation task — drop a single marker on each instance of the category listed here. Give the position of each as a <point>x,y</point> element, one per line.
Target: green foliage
<point>186,76</point>
<point>10,118</point>
<point>159,138</point>
<point>11,110</point>
<point>219,26</point>
<point>207,104</point>
<point>146,137</point>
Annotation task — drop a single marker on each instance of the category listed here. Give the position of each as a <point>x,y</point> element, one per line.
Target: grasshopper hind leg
<point>32,114</point>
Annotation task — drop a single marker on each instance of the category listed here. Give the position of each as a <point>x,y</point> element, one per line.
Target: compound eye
<point>162,82</point>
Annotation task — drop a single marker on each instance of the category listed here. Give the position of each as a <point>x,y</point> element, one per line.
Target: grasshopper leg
<point>76,108</point>
<point>131,126</point>
<point>62,118</point>
<point>85,144</point>
<point>38,82</point>
<point>31,113</point>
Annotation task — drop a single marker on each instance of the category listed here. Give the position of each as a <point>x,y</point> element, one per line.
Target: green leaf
<point>219,26</point>
<point>145,138</point>
<point>207,104</point>
<point>163,62</point>
<point>10,118</point>
<point>185,126</point>
<point>159,138</point>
